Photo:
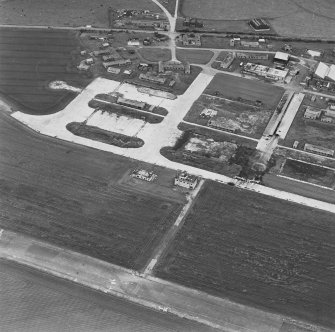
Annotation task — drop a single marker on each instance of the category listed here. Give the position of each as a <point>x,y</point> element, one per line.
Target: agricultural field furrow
<point>62,194</point>
<point>263,252</point>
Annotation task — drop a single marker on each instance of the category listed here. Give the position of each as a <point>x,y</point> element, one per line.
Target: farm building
<point>152,79</point>
<point>312,113</point>
<point>113,70</point>
<point>143,175</point>
<point>319,150</point>
<point>131,103</point>
<point>264,71</point>
<point>220,124</point>
<point>100,52</point>
<point>121,62</point>
<point>183,179</point>
<point>133,42</point>
<point>252,56</point>
<point>259,24</point>
<point>249,43</point>
<point>174,66</point>
<point>191,39</point>
<point>281,59</point>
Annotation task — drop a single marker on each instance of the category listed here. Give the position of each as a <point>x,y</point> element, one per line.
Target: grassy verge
<point>104,136</point>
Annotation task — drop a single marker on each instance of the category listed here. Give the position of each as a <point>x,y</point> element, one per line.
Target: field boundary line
<point>172,232</point>
<point>297,180</point>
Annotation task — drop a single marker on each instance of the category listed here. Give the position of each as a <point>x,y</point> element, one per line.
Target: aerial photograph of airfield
<point>167,165</point>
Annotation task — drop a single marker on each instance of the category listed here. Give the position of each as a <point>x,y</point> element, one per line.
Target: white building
<point>325,71</point>
<point>312,113</point>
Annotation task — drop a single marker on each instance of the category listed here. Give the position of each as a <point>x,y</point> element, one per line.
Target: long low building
<point>265,71</point>
<point>174,66</point>
<point>319,150</point>
<point>131,103</point>
<point>121,62</point>
<point>152,79</point>
<point>253,56</point>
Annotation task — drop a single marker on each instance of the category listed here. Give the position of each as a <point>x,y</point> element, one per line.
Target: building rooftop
<point>281,56</point>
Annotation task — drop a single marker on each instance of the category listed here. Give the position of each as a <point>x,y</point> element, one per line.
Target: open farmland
<point>310,131</point>
<point>66,13</point>
<point>257,250</point>
<point>246,90</point>
<point>294,18</point>
<point>30,59</point>
<point>194,56</point>
<point>70,196</point>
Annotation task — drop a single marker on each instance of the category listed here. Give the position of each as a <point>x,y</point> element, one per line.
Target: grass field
<point>104,136</point>
<point>310,131</point>
<point>247,120</point>
<point>155,54</point>
<point>30,59</point>
<point>232,87</point>
<point>295,18</point>
<point>257,250</point>
<point>71,196</point>
<point>194,56</point>
<point>66,13</point>
<point>310,173</point>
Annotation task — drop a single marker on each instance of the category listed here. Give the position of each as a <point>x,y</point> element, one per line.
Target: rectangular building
<point>253,56</point>
<point>152,79</point>
<point>319,150</point>
<point>131,103</point>
<point>312,113</point>
<point>183,179</point>
<point>218,124</point>
<point>281,59</point>
<point>121,62</point>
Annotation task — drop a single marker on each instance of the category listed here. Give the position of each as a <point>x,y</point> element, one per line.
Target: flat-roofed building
<point>121,62</point>
<point>312,113</point>
<point>265,71</point>
<point>191,39</point>
<point>113,70</point>
<point>252,56</point>
<point>183,179</point>
<point>131,103</point>
<point>152,79</point>
<point>174,66</point>
<point>321,70</point>
<point>319,150</point>
<point>281,59</point>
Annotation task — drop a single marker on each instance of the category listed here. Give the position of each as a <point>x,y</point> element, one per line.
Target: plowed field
<point>72,197</point>
<point>257,250</point>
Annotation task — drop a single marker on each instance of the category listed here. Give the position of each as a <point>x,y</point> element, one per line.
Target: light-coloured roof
<point>282,56</point>
<point>331,72</point>
<point>322,70</point>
